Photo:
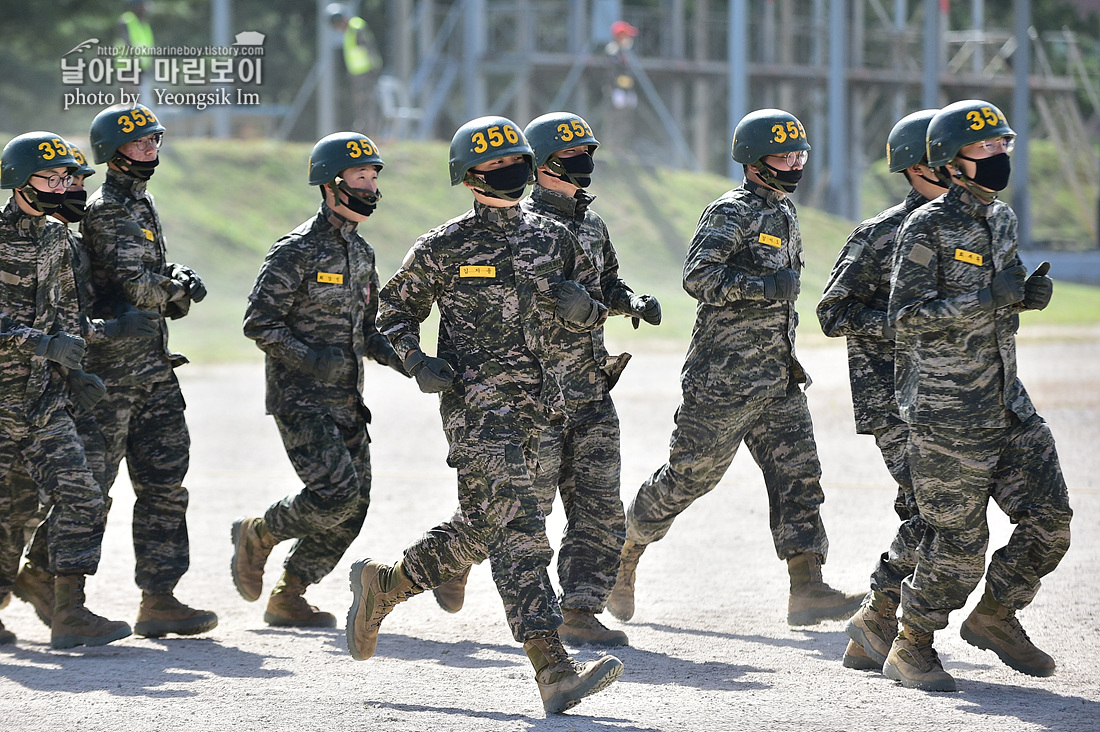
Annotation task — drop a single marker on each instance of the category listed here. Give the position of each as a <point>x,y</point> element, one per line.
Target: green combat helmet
<point>768,132</point>
<point>31,152</point>
<point>118,125</point>
<point>905,145</point>
<point>84,168</point>
<point>960,124</point>
<point>557,131</point>
<point>481,140</point>
<point>336,153</point>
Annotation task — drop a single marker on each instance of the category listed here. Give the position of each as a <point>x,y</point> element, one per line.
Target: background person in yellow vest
<point>135,32</point>
<point>363,62</point>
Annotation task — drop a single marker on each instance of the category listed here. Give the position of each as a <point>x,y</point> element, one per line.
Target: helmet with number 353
<point>960,124</point>
<point>767,132</point>
<point>115,126</point>
<point>31,152</point>
<point>483,139</point>
<point>340,151</point>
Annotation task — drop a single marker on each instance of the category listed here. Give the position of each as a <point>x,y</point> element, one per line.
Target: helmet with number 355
<point>115,126</point>
<point>340,151</point>
<point>483,139</point>
<point>960,124</point>
<point>31,152</point>
<point>767,132</point>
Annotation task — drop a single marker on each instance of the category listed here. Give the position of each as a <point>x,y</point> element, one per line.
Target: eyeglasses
<point>149,142</point>
<point>796,157</point>
<point>999,144</point>
<point>54,180</point>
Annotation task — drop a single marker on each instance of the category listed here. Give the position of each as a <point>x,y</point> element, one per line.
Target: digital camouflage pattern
<point>974,433</point>
<point>318,288</point>
<point>37,298</point>
<point>741,377</point>
<point>494,275</point>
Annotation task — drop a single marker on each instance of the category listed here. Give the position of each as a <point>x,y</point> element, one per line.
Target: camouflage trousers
<point>955,473</point>
<point>333,461</point>
<point>500,518</point>
<point>145,424</point>
<point>53,457</point>
<point>19,507</point>
<point>898,561</point>
<point>778,433</point>
<point>579,458</point>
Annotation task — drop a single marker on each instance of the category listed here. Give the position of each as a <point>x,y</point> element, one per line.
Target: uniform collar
<point>968,203</point>
<point>127,182</point>
<point>574,206</point>
<point>344,227</point>
<point>23,222</point>
<point>500,217</point>
<point>914,200</point>
<point>768,194</point>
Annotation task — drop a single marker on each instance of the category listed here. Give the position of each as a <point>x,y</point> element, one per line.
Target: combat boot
<point>5,600</point>
<point>35,586</point>
<point>287,606</point>
<point>161,613</point>
<point>6,636</point>
<point>812,600</point>
<point>857,658</point>
<point>563,681</point>
<point>874,626</point>
<point>993,627</point>
<point>582,628</point>
<point>375,589</point>
<point>620,602</point>
<point>452,594</point>
<point>252,543</point>
<point>914,662</point>
<point>75,625</point>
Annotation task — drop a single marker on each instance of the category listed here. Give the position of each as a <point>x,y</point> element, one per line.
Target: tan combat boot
<point>252,543</point>
<point>874,626</point>
<point>857,658</point>
<point>994,627</point>
<point>563,681</point>
<point>914,662</point>
<point>582,628</point>
<point>620,602</point>
<point>375,589</point>
<point>6,636</point>
<point>35,586</point>
<point>812,600</point>
<point>161,613</point>
<point>287,606</point>
<point>75,625</point>
<point>452,594</point>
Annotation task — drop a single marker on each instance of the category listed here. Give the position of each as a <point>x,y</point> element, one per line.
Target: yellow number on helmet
<point>139,118</point>
<point>47,151</point>
<point>976,121</point>
<point>353,149</point>
<point>495,138</point>
<point>990,115</point>
<point>780,133</point>
<point>126,123</point>
<point>60,146</point>
<point>565,132</point>
<point>480,145</point>
<point>510,135</point>
<point>792,128</point>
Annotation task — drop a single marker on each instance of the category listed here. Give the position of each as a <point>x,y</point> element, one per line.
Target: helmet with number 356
<point>115,126</point>
<point>340,151</point>
<point>767,132</point>
<point>483,139</point>
<point>31,152</point>
<point>960,124</point>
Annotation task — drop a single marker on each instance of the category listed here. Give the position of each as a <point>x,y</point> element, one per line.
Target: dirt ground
<point>710,648</point>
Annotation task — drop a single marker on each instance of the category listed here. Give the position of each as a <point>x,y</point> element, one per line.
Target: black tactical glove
<point>647,308</point>
<point>65,349</point>
<point>783,285</point>
<point>133,324</point>
<point>85,389</point>
<point>1038,288</point>
<point>190,281</point>
<point>432,374</point>
<point>575,305</point>
<point>323,365</point>
<point>390,359</point>
<point>1007,288</point>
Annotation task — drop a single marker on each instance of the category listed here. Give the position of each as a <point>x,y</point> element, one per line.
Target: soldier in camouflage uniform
<point>34,583</point>
<point>956,293</point>
<point>312,311</point>
<point>42,358</point>
<point>741,379</point>
<point>142,416</point>
<point>579,450</point>
<point>499,275</point>
<point>854,305</point>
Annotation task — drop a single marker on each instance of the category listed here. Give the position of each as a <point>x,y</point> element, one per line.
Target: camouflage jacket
<point>854,305</point>
<point>125,242</point>
<point>318,287</point>
<point>956,362</point>
<point>494,275</point>
<point>742,344</point>
<point>91,327</point>
<point>37,298</point>
<point>589,371</point>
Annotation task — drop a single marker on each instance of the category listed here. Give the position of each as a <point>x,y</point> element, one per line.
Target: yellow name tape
<point>477,271</point>
<point>330,278</point>
<point>771,241</point>
<point>148,234</point>
<point>969,257</point>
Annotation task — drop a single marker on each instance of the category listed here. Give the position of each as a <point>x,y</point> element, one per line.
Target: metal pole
<point>219,34</point>
<point>473,80</point>
<point>836,147</point>
<point>930,94</point>
<point>738,56</point>
<point>1021,123</point>
<point>326,87</point>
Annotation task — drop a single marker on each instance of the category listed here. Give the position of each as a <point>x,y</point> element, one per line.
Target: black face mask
<point>361,202</point>
<point>508,182</point>
<point>576,170</point>
<point>992,172</point>
<point>784,180</point>
<point>140,169</point>
<point>43,201</point>
<point>73,208</point>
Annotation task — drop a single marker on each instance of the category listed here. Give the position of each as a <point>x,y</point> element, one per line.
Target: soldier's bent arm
<point>146,288</point>
<point>845,307</point>
<point>708,276</point>
<point>616,293</point>
<point>272,297</point>
<point>578,266</point>
<point>916,304</point>
<point>406,300</point>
